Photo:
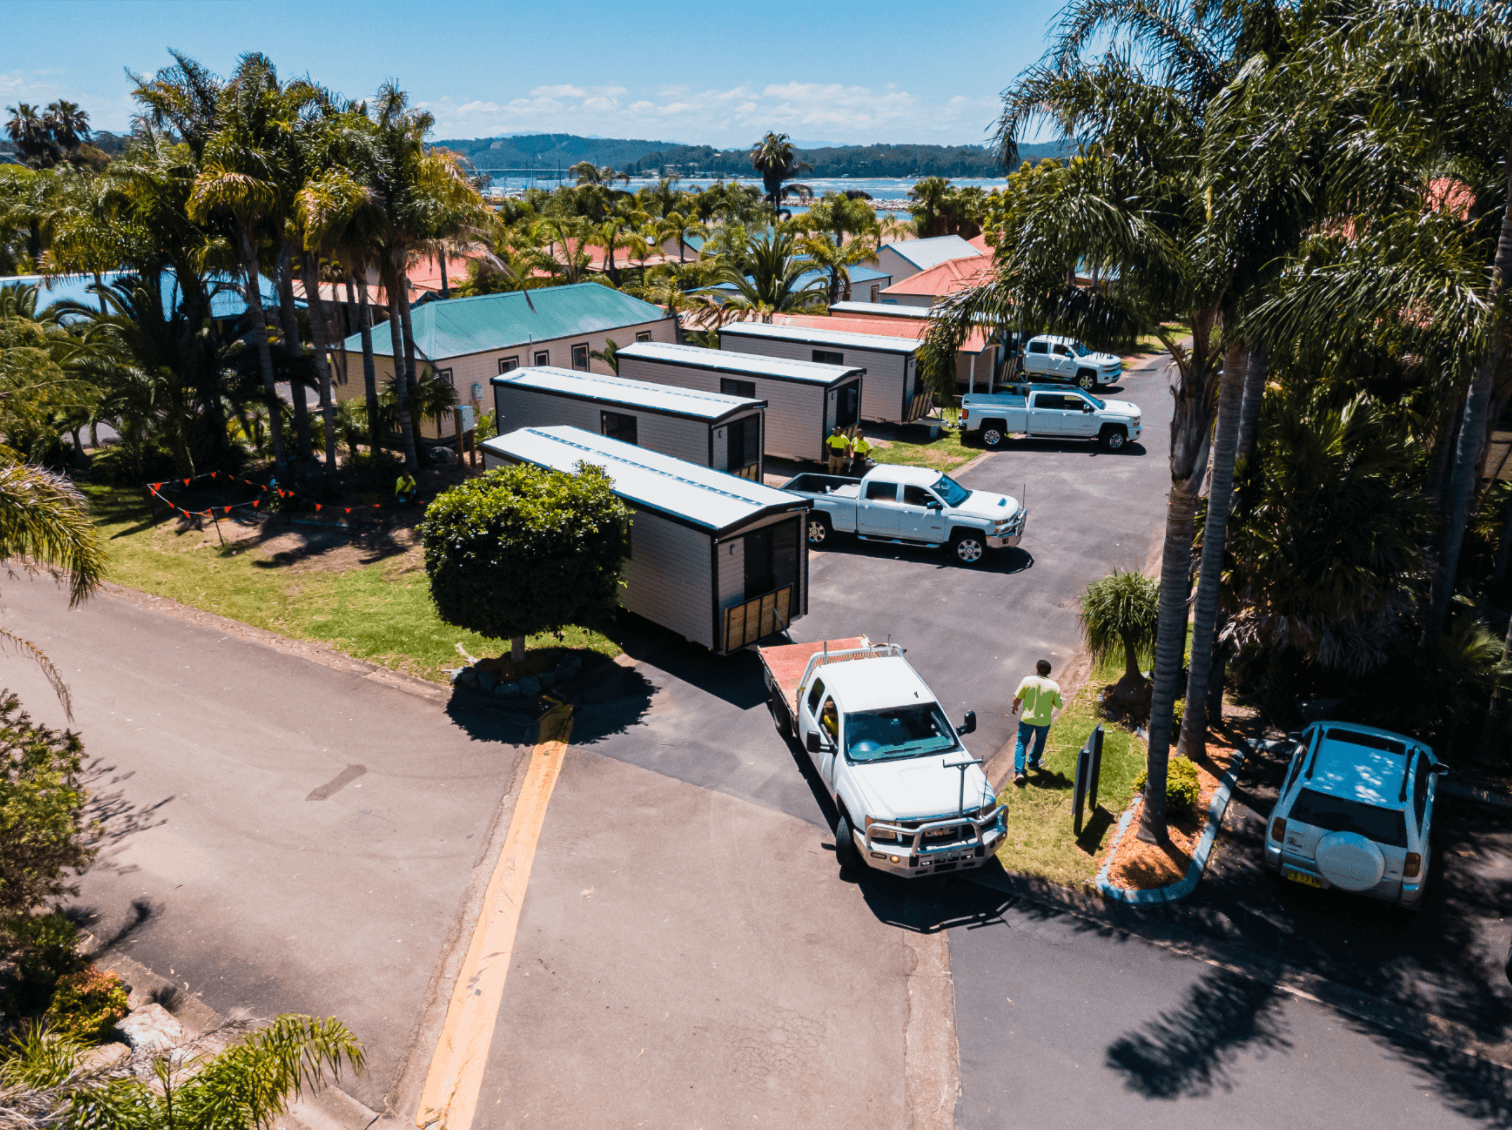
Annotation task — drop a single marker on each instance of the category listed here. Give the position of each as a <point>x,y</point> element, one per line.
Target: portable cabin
<point>805,400</point>
<point>707,428</point>
<point>718,559</point>
<point>893,392</point>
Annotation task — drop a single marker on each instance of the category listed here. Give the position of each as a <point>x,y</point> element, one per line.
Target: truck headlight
<point>880,837</point>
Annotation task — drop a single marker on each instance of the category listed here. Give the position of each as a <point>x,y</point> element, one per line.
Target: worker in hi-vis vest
<point>860,451</point>
<point>838,445</point>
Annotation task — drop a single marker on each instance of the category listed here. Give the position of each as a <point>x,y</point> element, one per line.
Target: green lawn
<point>1040,839</point>
<point>912,446</point>
<point>380,612</point>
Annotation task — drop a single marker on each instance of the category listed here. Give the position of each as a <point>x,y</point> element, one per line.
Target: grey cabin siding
<point>794,424</point>
<point>671,435</point>
<point>668,577</point>
<point>882,390</point>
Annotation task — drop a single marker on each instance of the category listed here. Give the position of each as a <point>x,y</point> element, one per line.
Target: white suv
<point>1067,359</point>
<point>1354,812</point>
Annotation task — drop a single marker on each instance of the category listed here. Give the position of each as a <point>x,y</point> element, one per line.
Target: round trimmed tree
<point>521,550</point>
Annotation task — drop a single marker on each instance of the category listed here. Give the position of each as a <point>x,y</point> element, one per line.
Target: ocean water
<point>880,188</point>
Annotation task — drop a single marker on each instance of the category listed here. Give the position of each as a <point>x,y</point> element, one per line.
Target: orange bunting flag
<point>317,508</point>
<point>155,487</point>
<point>348,509</point>
<point>228,510</point>
<point>257,502</point>
<point>186,482</point>
<point>377,505</point>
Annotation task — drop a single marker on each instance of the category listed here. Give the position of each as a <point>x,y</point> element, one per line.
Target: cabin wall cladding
<point>667,562</point>
<point>672,435</point>
<point>882,392</point>
<point>731,556</point>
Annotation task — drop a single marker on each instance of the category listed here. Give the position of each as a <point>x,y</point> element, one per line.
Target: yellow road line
<point>456,1071</point>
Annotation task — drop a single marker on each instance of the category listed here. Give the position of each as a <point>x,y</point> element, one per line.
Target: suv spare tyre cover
<point>1349,861</point>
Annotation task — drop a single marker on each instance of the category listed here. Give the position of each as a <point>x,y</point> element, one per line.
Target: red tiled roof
<point>949,277</point>
<point>878,326</point>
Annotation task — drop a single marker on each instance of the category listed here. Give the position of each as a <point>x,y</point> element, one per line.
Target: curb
<point>1188,883</point>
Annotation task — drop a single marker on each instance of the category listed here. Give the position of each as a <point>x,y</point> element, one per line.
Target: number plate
<point>1302,877</point>
<point>946,857</point>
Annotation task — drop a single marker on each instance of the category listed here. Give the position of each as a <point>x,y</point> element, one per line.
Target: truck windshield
<point>1079,348</point>
<point>908,731</point>
<point>951,491</point>
<point>1099,404</point>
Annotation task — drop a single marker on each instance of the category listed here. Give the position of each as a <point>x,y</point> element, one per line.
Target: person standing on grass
<point>1038,694</point>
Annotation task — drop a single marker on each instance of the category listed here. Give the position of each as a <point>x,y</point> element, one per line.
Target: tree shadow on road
<point>115,818</point>
<point>1188,1052</point>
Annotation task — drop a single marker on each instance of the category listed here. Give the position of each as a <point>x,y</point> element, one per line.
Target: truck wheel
<point>818,529</point>
<point>993,436</point>
<point>1113,439</point>
<point>1086,379</point>
<point>846,854</point>
<point>968,547</point>
<point>779,711</point>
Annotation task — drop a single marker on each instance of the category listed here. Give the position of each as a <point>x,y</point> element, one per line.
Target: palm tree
<point>588,173</point>
<point>836,259</point>
<point>776,160</point>
<point>68,124</point>
<point>676,225</point>
<point>242,178</point>
<point>769,278</point>
<point>46,1079</point>
<point>45,525</point>
<point>1119,611</point>
<point>31,136</point>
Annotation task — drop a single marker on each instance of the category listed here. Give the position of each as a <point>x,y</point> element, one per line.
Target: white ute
<point>910,799</point>
<point>1049,412</point>
<point>1067,359</point>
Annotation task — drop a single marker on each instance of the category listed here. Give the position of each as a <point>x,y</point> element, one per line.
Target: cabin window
<point>848,410</point>
<point>543,357</point>
<point>617,425</point>
<point>446,375</point>
<point>828,357</point>
<point>580,357</point>
<point>746,389</point>
<point>771,559</point>
<point>644,335</point>
<point>509,364</point>
<point>743,444</point>
<point>875,293</point>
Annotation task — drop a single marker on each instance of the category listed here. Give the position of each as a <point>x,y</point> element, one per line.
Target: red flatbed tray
<point>787,662</point>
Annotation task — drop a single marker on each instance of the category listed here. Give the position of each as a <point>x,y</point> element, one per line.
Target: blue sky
<point>721,74</point>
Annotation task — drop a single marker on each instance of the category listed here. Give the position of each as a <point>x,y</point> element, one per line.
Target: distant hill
<point>561,150</point>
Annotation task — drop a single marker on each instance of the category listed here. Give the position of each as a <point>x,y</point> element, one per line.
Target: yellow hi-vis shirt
<point>861,446</point>
<point>1039,696</point>
<point>837,442</point>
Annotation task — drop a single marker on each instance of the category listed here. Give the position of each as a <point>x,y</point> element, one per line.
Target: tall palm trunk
<point>1191,431</point>
<point>318,329</point>
<point>401,378</point>
<point>1472,433</point>
<point>288,321</point>
<point>411,366</point>
<point>264,353</point>
<point>1236,367</point>
<point>369,371</point>
<point>445,289</point>
<point>1254,398</point>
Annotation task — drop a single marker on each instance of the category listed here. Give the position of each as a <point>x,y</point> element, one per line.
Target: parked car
<point>909,798</point>
<point>910,505</point>
<point>1069,360</point>
<point>1355,812</point>
<point>1049,411</point>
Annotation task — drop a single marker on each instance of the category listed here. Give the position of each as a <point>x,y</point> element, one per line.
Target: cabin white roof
<point>931,252</point>
<point>665,399</point>
<point>874,342</point>
<point>881,310</point>
<point>731,361</point>
<point>649,480</point>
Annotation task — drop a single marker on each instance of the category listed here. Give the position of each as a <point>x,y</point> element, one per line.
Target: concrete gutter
<point>1188,883</point>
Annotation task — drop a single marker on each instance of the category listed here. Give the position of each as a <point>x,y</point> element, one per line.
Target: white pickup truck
<point>909,798</point>
<point>1067,359</point>
<point>911,505</point>
<point>1049,412</point>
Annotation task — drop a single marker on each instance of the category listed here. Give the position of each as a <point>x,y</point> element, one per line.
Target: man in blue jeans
<point>1038,694</point>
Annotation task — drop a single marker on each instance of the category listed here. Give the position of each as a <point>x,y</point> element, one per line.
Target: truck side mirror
<point>1294,737</point>
<point>813,743</point>
<point>934,504</point>
<point>1440,769</point>
<point>1086,407</point>
<point>968,725</point>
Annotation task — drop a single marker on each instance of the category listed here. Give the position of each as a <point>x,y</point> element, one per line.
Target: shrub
<point>1182,786</point>
<point>521,550</point>
<point>86,1004</point>
<point>43,948</point>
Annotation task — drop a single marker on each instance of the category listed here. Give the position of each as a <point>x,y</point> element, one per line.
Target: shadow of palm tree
<point>1188,1052</point>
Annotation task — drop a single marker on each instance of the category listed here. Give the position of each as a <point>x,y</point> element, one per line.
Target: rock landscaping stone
<point>547,678</point>
<point>530,686</point>
<point>487,680</point>
<point>150,1029</point>
<point>506,690</point>
<point>465,677</point>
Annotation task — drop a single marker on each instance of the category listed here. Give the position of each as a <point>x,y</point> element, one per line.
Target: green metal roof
<point>457,326</point>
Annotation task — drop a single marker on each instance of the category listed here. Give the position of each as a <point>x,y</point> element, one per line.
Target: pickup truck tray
<point>785,664</point>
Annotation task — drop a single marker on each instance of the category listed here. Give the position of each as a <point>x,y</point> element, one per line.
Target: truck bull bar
<point>912,840</point>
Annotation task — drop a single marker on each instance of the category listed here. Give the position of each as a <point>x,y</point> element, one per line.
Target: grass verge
<point>379,610</point>
<point>911,446</point>
<point>1040,840</point>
